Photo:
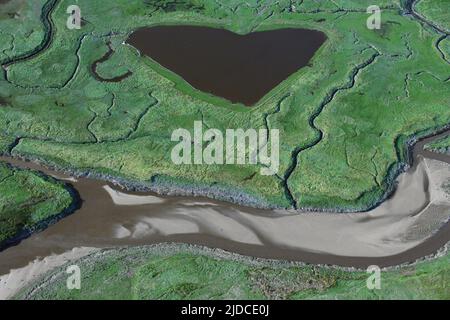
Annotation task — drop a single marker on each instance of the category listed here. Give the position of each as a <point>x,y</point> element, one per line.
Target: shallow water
<point>111,217</point>
<point>239,68</point>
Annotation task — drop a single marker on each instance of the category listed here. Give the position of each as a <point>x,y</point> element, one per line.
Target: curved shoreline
<point>44,224</point>
<point>164,189</point>
<point>223,192</point>
<point>240,197</point>
<point>40,271</point>
<point>173,221</point>
<point>103,59</point>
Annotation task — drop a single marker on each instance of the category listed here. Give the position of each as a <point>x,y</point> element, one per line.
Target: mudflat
<point>409,225</point>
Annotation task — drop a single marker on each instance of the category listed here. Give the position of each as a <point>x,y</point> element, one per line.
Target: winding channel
<point>411,224</point>
<point>49,32</point>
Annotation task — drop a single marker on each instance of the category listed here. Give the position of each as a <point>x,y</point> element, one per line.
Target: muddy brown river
<point>239,68</point>
<point>407,226</point>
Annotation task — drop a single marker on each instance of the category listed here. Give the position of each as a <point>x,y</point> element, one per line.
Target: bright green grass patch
<point>138,161</point>
<point>27,199</point>
<point>20,27</point>
<point>151,273</point>
<point>5,143</point>
<point>435,10</point>
<point>442,145</point>
<point>123,129</point>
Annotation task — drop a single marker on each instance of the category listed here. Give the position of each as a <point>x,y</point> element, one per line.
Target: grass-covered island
<point>29,201</point>
<point>165,272</point>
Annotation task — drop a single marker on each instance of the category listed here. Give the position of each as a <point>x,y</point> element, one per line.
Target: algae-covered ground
<point>180,273</point>
<point>441,145</point>
<point>343,120</point>
<point>28,201</point>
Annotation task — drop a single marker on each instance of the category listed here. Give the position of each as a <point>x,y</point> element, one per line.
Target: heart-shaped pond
<point>239,68</point>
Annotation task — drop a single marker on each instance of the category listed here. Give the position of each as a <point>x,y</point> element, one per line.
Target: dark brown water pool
<point>239,68</point>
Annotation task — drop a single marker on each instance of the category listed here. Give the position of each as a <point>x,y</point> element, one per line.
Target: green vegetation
<point>21,29</point>
<point>442,145</point>
<point>5,143</point>
<point>340,118</point>
<point>28,202</point>
<point>152,273</point>
<point>437,11</point>
<point>344,120</point>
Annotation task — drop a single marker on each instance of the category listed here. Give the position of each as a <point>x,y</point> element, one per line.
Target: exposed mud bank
<point>39,272</point>
<point>408,226</point>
